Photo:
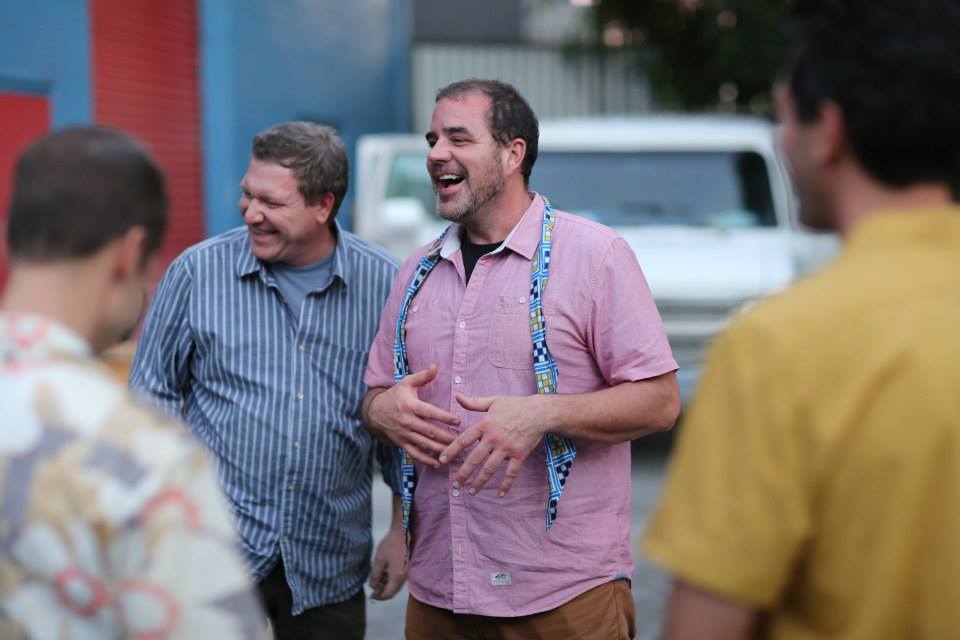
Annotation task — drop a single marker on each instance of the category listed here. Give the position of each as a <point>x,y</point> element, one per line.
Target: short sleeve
<point>626,333</point>
<point>379,371</point>
<point>736,507</point>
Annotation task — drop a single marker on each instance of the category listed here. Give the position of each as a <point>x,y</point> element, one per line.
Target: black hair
<point>892,68</point>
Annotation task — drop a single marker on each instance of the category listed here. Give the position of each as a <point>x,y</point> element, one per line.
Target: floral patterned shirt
<point>112,524</point>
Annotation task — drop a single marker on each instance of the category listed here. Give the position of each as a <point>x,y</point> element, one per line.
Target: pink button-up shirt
<point>492,556</point>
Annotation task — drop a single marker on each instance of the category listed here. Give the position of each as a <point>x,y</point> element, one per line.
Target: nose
<point>250,211</point>
<point>439,152</point>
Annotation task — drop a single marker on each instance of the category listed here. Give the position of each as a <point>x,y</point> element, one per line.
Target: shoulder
<point>797,322</point>
<point>580,234</point>
<point>225,246</point>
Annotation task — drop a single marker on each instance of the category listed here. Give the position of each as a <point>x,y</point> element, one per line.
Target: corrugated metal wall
<point>555,82</point>
<point>145,82</point>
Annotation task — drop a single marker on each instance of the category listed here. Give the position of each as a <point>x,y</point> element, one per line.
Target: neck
<point>866,198</point>
<point>61,292</point>
<point>505,212</point>
<point>318,249</point>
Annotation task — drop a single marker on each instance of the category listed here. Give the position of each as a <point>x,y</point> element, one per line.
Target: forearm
<point>624,412</point>
<point>374,429</point>
<point>396,519</point>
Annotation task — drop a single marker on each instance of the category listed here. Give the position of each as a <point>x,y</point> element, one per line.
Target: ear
<point>322,208</point>
<point>831,142</point>
<point>128,254</point>
<point>514,153</point>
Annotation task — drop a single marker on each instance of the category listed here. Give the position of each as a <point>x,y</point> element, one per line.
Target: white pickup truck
<point>703,200</point>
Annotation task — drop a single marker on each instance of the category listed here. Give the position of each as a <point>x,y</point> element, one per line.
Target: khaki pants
<point>603,613</point>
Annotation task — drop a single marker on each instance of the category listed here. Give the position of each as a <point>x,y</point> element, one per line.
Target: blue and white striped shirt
<point>276,398</point>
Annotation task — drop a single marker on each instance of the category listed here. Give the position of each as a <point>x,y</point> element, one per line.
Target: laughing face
<point>465,163</point>
<point>283,228</point>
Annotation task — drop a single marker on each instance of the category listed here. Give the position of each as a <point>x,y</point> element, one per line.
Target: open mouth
<point>447,180</point>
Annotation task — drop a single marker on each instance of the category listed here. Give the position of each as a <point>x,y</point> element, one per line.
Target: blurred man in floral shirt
<point>111,521</point>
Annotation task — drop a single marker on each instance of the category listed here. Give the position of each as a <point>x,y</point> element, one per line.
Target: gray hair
<point>316,155</point>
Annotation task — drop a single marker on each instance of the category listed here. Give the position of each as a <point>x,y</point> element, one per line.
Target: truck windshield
<point>675,188</point>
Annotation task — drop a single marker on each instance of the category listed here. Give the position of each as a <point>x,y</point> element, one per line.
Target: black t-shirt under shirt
<point>473,252</point>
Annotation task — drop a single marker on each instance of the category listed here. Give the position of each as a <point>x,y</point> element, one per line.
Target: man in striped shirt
<point>259,338</point>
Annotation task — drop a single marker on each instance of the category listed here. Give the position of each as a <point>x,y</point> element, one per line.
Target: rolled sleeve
<point>626,332</point>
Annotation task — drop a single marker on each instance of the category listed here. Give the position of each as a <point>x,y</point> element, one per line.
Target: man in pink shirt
<point>502,416</point>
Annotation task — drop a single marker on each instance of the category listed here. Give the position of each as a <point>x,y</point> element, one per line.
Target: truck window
<point>408,178</point>
<point>719,189</point>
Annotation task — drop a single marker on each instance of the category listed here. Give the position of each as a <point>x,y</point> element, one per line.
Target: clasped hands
<point>511,428</point>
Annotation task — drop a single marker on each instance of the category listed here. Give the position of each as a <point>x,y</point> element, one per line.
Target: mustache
<point>438,169</point>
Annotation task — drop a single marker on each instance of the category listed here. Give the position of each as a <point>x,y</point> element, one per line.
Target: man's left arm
<point>626,339</point>
<point>390,560</point>
<point>694,613</point>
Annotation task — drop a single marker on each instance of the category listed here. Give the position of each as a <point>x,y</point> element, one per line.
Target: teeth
<point>449,176</point>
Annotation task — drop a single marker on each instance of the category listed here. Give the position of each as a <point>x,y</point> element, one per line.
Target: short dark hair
<point>892,67</point>
<point>315,154</point>
<point>510,115</point>
<point>78,189</point>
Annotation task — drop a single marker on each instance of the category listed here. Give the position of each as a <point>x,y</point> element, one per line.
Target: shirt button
<point>284,538</point>
<point>415,308</point>
<point>296,445</point>
<point>291,487</point>
<point>458,379</point>
<point>456,493</point>
<point>522,299</point>
<point>302,347</point>
<point>300,396</point>
<point>462,325</point>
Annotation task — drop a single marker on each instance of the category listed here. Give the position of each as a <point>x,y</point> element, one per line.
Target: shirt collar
<point>522,239</point>
<point>34,336</point>
<point>932,226</point>
<point>247,263</point>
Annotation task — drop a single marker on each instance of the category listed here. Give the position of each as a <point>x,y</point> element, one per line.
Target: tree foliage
<point>701,54</point>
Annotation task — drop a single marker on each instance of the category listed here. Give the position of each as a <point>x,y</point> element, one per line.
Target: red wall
<point>145,82</point>
<point>22,118</point>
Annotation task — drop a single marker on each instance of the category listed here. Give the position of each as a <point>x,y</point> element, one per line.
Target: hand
<point>399,415</point>
<point>511,429</point>
<point>389,565</point>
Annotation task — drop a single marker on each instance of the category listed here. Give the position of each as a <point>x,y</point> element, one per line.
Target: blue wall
<point>341,63</point>
<point>45,49</point>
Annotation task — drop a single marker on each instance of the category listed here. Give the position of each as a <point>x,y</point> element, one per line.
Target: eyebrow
<point>430,135</point>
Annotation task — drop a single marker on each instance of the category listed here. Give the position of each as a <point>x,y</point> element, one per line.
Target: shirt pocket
<point>424,326</point>
<point>511,345</point>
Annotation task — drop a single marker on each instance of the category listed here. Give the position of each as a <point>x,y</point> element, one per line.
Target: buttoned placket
<point>461,548</point>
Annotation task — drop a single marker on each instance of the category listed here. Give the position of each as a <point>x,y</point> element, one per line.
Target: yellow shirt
<point>817,475</point>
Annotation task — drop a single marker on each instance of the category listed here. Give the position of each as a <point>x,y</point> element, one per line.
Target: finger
<point>513,470</point>
<point>421,378</point>
<point>489,468</point>
<point>429,412</point>
<point>420,455</point>
<point>427,445</point>
<point>394,581</point>
<point>430,431</point>
<point>376,573</point>
<point>460,443</point>
<point>472,463</point>
<point>475,404</point>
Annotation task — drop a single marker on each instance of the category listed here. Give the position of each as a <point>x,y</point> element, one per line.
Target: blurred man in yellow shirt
<point>815,492</point>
